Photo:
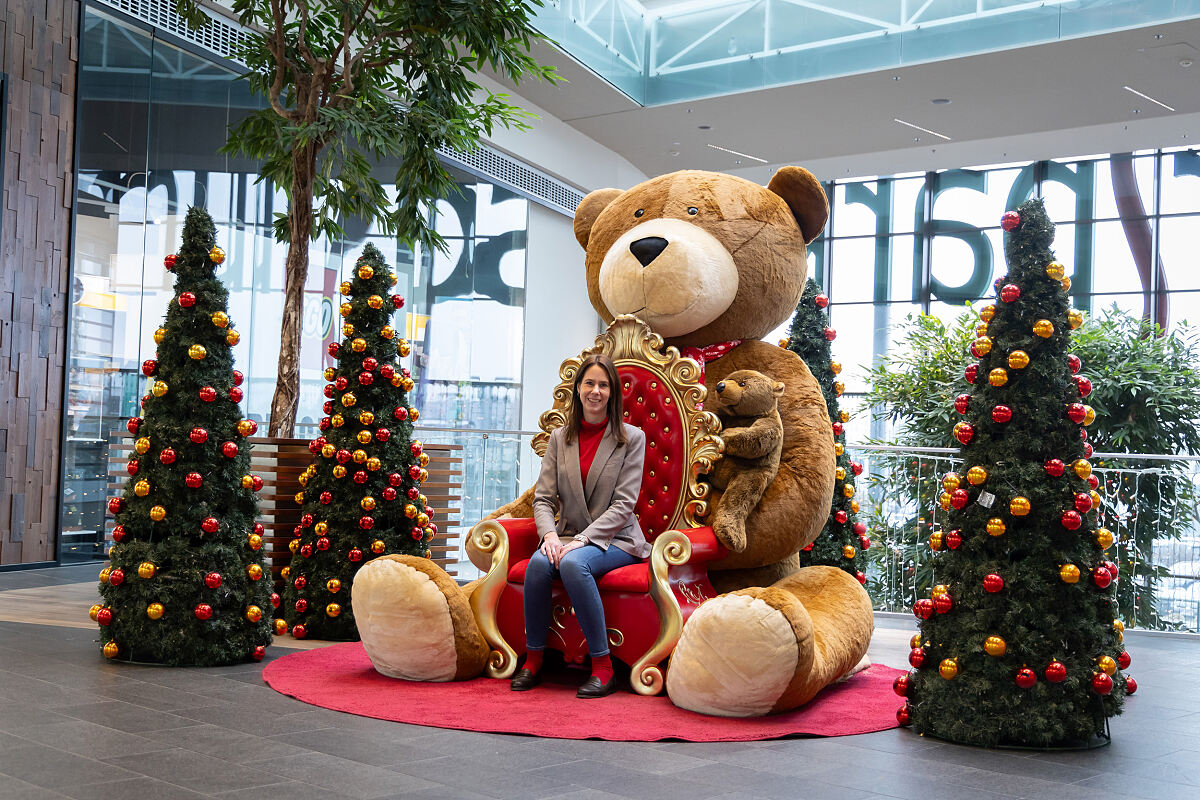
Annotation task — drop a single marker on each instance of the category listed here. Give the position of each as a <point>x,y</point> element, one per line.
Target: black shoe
<point>524,680</point>
<point>592,687</point>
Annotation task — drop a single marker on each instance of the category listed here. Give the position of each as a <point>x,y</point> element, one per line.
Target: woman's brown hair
<point>613,412</point>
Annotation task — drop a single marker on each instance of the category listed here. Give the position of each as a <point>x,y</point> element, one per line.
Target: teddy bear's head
<point>745,393</point>
<point>702,257</point>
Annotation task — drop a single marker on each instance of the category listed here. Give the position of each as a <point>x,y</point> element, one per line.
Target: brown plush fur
<point>747,403</point>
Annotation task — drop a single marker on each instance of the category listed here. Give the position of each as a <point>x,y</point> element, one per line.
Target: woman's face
<point>593,393</point>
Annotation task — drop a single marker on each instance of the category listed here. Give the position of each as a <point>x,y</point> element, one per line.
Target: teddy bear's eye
<point>693,210</point>
<point>742,384</point>
<point>639,212</point>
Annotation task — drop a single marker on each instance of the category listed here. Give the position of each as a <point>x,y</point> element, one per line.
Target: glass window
<point>874,269</point>
<point>1124,187</point>
<point>1179,251</point>
<point>964,264</point>
<point>1181,182</point>
<point>875,208</point>
<point>967,198</point>
<point>863,332</point>
<point>1182,307</point>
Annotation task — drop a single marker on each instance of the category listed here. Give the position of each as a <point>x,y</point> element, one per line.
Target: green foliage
<point>362,493</point>
<point>807,339</point>
<point>181,552</point>
<point>1042,617</point>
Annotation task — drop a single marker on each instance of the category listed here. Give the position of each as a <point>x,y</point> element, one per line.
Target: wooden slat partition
<point>279,463</point>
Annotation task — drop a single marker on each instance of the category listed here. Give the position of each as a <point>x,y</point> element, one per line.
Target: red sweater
<point>589,442</point>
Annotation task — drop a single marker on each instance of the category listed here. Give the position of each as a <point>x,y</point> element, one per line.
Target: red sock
<point>533,660</point>
<point>602,668</point>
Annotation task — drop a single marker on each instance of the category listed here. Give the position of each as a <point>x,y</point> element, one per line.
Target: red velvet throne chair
<point>645,604</point>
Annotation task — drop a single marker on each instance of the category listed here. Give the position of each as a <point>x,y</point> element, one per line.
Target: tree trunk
<point>287,383</point>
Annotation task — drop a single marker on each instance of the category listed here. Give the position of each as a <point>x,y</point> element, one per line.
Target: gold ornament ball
<point>1069,573</point>
<point>366,272</point>
<point>835,367</point>
<point>848,551</point>
<point>366,417</point>
<point>995,527</point>
<point>280,627</point>
<point>948,669</point>
<point>248,481</point>
<point>1055,271</point>
<point>330,373</point>
<point>423,459</point>
<point>378,546</point>
<point>337,420</point>
<point>159,388</point>
<point>232,338</point>
<point>359,456</point>
<point>1044,328</point>
<point>95,609</point>
<point>408,384</point>
<point>838,449</point>
<point>847,489</point>
<point>422,519</point>
<point>358,345</point>
<point>840,473</point>
<point>982,345</point>
<point>838,388</point>
<point>220,319</point>
<point>844,416</point>
<point>854,506</point>
<point>367,503</point>
<point>158,513</point>
<point>374,463</point>
<point>939,590</point>
<point>1089,415</point>
<point>410,510</point>
<point>346,308</point>
<point>327,450</point>
<point>147,570</point>
<point>364,437</point>
<point>304,478</point>
<point>299,498</point>
<point>216,255</point>
<point>981,329</point>
<point>944,501</point>
<point>253,613</point>
<point>1104,538</point>
<point>285,573</point>
<point>141,488</point>
<point>998,376</point>
<point>111,650</point>
<point>1118,626</point>
<point>1019,506</point>
<point>345,287</point>
<point>375,301</point>
<point>1066,284</point>
<point>254,572</point>
<point>159,335</point>
<point>245,427</point>
<point>398,381</point>
<point>976,475</point>
<point>987,312</point>
<point>994,646</point>
<point>142,445</point>
<point>294,545</point>
<point>254,541</point>
<point>333,585</point>
<point>104,573</point>
<point>197,352</point>
<point>333,609</point>
<point>1095,498</point>
<point>339,471</point>
<point>1082,467</point>
<point>155,610</point>
<point>951,481</point>
<point>1074,318</point>
<point>937,540</point>
<point>348,399</point>
<point>392,279</point>
<point>321,528</point>
<point>1107,665</point>
<point>914,642</point>
<point>347,329</point>
<point>387,332</point>
<point>1018,359</point>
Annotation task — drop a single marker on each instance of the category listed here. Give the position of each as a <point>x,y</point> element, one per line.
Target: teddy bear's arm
<point>754,441</point>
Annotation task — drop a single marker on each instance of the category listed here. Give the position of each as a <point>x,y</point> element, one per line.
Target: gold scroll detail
<point>671,548</point>
<point>489,537</point>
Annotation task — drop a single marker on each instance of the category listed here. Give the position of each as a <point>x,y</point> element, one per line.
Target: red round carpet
<point>341,677</point>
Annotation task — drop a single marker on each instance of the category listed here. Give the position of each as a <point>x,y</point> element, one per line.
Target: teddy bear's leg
<point>730,580</point>
<point>415,621</point>
<point>741,495</point>
<point>762,650</point>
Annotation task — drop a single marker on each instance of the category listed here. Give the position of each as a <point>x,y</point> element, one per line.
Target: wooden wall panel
<point>39,56</point>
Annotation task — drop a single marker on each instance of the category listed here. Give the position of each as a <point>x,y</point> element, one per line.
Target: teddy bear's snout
<point>720,387</point>
<point>647,249</point>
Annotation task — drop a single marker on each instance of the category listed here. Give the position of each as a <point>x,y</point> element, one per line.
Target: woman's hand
<point>554,549</point>
<point>574,544</point>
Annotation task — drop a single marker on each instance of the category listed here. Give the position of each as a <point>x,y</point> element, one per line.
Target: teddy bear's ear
<point>804,196</point>
<point>777,389</point>
<point>590,208</point>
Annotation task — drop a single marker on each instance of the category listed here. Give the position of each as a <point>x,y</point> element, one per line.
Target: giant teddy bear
<point>713,263</point>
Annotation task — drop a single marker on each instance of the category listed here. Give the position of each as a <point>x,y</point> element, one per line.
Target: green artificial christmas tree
<point>186,584</point>
<point>1019,644</point>
<point>842,540</point>
<point>362,494</point>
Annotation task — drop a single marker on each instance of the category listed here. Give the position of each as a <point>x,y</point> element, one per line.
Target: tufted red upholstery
<point>634,578</point>
<point>649,406</point>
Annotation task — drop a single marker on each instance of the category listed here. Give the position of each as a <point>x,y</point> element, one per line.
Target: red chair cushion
<point>649,406</point>
<point>634,578</point>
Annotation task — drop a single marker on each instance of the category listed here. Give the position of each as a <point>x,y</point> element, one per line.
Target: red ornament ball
<point>830,333</point>
<point>395,479</point>
<point>401,413</point>
<point>414,472</point>
<point>323,543</point>
<point>299,631</point>
<point>414,493</point>
<point>1101,683</point>
<point>208,394</point>
<point>300,582</point>
<point>235,394</point>
<point>340,384</point>
<point>133,425</point>
<point>856,467</point>
<point>213,580</point>
<point>167,456</point>
<point>118,535</point>
<point>258,528</point>
<point>1093,481</point>
<point>193,480</point>
<point>256,483</point>
<point>1101,577</point>
<point>1056,672</point>
<point>901,685</point>
<point>993,583</point>
<point>1123,660</point>
<point>258,652</point>
<point>840,517</point>
<point>343,456</point>
<point>961,402</point>
<point>238,377</point>
<point>132,466</point>
<point>389,493</point>
<point>383,434</point>
<point>1130,685</point>
<point>1074,362</point>
<point>959,499</point>
<point>923,608</point>
<point>837,428</point>
<point>203,611</point>
<point>187,299</point>
<point>229,449</point>
<point>821,301</point>
<point>1084,385</point>
<point>366,378</point>
<point>104,616</point>
<point>397,301</point>
<point>326,498</point>
<point>1055,468</point>
<point>387,371</point>
<point>1087,451</point>
<point>149,367</point>
<point>366,523</point>
<point>860,529</point>
<point>1001,414</point>
<point>355,555</point>
<point>333,349</point>
<point>306,521</point>
<point>964,432</point>
<point>861,577</point>
<point>316,444</point>
<point>902,715</point>
<point>198,435</point>
<point>1026,678</point>
<point>1010,220</point>
<point>1071,520</point>
<point>275,599</point>
<point>415,448</point>
<point>117,577</point>
<point>169,261</point>
<point>306,551</point>
<point>943,604</point>
<point>209,525</point>
<point>301,605</point>
<point>953,540</point>
<point>1083,503</point>
<point>1010,293</point>
<point>325,424</point>
<point>916,657</point>
<point>971,373</point>
<point>115,504</point>
<point>328,390</point>
<point>360,476</point>
<point>1076,412</point>
<point>369,363</point>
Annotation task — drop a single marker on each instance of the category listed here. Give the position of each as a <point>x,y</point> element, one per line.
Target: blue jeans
<point>578,570</point>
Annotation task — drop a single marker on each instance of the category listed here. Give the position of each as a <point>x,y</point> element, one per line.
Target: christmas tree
<point>842,540</point>
<point>186,584</point>
<point>362,494</point>
<point>1019,643</point>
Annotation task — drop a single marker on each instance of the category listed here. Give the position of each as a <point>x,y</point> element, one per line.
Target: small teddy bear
<point>748,404</point>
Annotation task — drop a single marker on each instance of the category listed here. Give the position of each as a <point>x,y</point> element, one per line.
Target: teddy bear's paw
<point>415,622</point>
<point>737,657</point>
<point>863,663</point>
<point>730,530</point>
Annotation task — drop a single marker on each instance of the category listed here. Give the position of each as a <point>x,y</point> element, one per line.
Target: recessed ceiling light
<point>736,153</point>
<point>895,77</point>
<point>940,101</point>
<point>1147,97</point>
<point>1158,36</point>
<point>705,127</point>
<point>922,130</point>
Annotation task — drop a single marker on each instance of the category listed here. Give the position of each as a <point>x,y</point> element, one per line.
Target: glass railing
<point>707,48</point>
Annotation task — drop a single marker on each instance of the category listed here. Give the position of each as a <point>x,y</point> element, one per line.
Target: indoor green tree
<point>186,584</point>
<point>843,539</point>
<point>362,494</point>
<point>349,83</point>
<point>1019,643</point>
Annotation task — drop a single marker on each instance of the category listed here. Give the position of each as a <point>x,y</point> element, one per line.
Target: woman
<point>591,474</point>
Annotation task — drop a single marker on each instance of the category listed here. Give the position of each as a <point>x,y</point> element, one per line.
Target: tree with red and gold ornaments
<point>1019,643</point>
<point>187,584</point>
<point>362,493</point>
<point>844,537</point>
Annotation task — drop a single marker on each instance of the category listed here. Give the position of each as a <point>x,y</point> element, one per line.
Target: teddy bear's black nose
<point>720,387</point>
<point>647,249</point>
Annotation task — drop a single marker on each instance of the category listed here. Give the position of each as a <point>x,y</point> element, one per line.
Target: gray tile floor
<point>73,725</point>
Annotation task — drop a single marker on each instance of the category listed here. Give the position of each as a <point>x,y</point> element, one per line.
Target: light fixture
<point>940,101</point>
<point>736,153</point>
<point>922,130</point>
<point>705,127</point>
<point>1147,97</point>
